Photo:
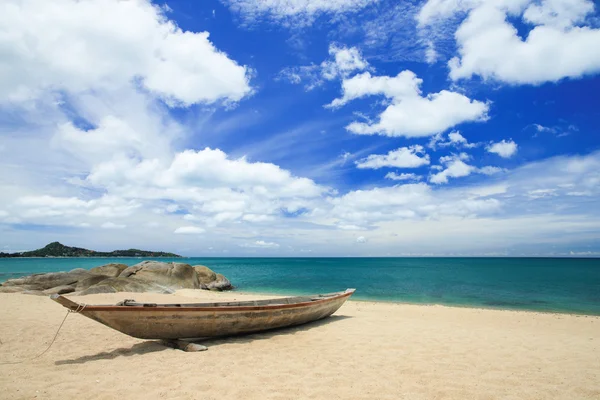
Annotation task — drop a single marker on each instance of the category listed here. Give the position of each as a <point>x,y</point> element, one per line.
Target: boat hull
<point>184,322</point>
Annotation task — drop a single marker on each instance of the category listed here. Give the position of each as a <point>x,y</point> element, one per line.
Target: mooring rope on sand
<point>80,308</point>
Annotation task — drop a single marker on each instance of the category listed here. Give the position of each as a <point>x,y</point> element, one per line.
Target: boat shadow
<point>153,346</point>
<point>137,349</point>
<point>264,335</point>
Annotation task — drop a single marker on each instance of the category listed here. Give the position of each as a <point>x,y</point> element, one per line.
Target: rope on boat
<point>80,308</point>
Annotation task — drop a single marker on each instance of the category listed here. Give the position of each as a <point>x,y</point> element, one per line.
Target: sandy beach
<point>365,351</point>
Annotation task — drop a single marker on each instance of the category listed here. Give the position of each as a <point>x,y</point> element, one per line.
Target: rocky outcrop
<point>121,284</point>
<point>59,290</point>
<point>147,276</point>
<point>50,280</point>
<point>172,275</point>
<point>90,281</point>
<point>112,269</point>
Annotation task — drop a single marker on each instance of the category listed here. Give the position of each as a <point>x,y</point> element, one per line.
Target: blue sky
<point>302,127</point>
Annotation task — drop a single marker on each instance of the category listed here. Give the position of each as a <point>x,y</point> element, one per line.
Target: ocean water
<point>541,284</point>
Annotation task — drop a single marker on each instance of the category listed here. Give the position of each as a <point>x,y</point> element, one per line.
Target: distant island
<point>56,249</point>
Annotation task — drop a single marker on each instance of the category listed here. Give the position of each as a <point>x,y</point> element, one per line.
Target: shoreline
<point>385,301</point>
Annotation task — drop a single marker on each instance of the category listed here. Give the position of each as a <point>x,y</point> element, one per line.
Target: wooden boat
<point>186,321</point>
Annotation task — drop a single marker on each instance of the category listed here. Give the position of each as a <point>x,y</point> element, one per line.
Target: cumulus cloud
<point>217,188</point>
<point>410,114</point>
<point>565,183</point>
<point>112,135</point>
<point>75,46</point>
<point>361,239</point>
<point>404,157</point>
<point>504,148</point>
<point>490,46</point>
<point>455,166</point>
<point>293,12</point>
<point>510,196</point>
<point>345,61</point>
<point>208,168</point>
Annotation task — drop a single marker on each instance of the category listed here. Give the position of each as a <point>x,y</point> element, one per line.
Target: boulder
<point>205,275</point>
<point>221,283</point>
<point>123,284</point>
<point>210,280</point>
<point>59,290</point>
<point>51,279</point>
<point>172,275</point>
<point>90,281</point>
<point>111,270</point>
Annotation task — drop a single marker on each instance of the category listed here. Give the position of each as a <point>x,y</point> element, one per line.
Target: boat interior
<point>251,303</point>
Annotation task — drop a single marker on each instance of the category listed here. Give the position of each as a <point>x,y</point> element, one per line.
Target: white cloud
<point>541,128</point>
<point>415,201</point>
<point>189,230</point>
<point>361,239</point>
<point>404,157</point>
<point>490,170</point>
<point>404,85</point>
<point>562,130</point>
<point>260,244</point>
<point>541,193</point>
<point>504,148</point>
<point>456,167</point>
<point>420,211</point>
<point>410,114</point>
<point>258,218</point>
<point>112,136</point>
<point>403,177</point>
<point>112,225</point>
<point>431,55</point>
<point>49,208</point>
<point>345,60</point>
<point>208,168</point>
<point>489,45</point>
<point>342,62</point>
<point>455,139</point>
<point>420,214</point>
<point>309,74</point>
<point>215,188</point>
<point>294,12</point>
<point>77,46</point>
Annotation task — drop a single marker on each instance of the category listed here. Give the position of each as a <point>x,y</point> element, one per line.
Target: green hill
<point>56,249</point>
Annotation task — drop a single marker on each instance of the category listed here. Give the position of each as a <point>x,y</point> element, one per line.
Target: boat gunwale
<point>82,307</point>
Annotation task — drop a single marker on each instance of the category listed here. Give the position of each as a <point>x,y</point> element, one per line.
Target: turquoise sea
<point>542,284</point>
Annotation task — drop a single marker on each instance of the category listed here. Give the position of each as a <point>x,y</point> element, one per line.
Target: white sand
<point>366,350</point>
